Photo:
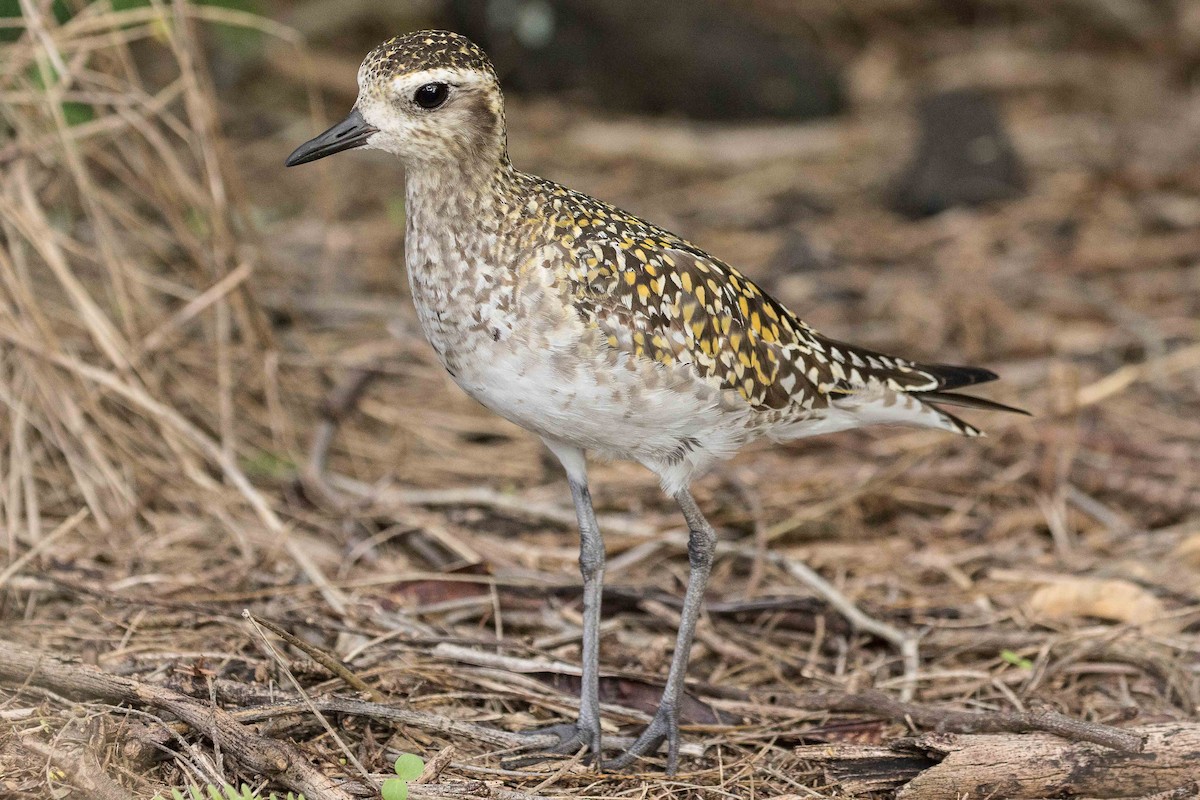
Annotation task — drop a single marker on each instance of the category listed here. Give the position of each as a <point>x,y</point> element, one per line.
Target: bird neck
<point>456,220</point>
<point>466,193</point>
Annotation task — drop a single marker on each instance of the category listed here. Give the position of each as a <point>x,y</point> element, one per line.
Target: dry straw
<point>126,238</point>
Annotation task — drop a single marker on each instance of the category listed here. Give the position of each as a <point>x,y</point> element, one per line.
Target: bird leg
<point>585,732</point>
<point>702,544</point>
<point>591,566</point>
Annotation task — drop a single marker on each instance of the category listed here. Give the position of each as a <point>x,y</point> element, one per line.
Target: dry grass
<point>167,329</point>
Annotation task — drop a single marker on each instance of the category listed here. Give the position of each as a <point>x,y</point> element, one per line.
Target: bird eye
<point>431,95</point>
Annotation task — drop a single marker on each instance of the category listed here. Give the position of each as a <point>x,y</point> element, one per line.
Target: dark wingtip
<point>955,377</point>
<point>952,377</point>
<point>967,401</point>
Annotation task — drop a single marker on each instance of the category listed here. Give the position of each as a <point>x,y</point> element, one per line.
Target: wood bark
<point>947,766</point>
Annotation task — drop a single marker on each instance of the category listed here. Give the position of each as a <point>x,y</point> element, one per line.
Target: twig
<point>1116,382</point>
<point>906,643</point>
<point>323,658</point>
<point>486,497</point>
<point>194,307</point>
<point>434,766</point>
<point>346,751</point>
<point>880,704</point>
<point>466,790</point>
<point>82,769</point>
<point>434,723</point>
<point>469,655</point>
<point>65,527</point>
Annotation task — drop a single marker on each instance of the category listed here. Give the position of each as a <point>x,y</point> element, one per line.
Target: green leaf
<point>409,766</point>
<point>1015,659</point>
<point>266,464</point>
<point>395,789</point>
<point>77,113</point>
<point>12,10</point>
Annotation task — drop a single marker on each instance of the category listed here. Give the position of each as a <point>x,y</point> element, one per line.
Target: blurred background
<point>1007,183</point>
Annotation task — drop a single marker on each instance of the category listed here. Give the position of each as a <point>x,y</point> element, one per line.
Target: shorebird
<point>600,332</point>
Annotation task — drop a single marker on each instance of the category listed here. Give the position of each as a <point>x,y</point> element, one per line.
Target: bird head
<point>431,97</point>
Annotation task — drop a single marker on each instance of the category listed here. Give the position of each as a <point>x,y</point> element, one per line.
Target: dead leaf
<point>1112,600</point>
<point>1187,552</point>
<point>433,592</point>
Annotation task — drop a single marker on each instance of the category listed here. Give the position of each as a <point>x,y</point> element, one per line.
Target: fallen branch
<point>280,761</point>
<point>880,704</point>
<point>950,766</point>
<point>1188,791</point>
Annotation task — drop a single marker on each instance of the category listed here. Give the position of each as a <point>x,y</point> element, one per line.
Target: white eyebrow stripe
<point>451,75</point>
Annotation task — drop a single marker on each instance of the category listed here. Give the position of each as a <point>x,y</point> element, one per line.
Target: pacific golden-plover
<point>601,332</point>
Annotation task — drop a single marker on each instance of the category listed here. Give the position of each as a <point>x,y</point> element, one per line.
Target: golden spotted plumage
<point>661,298</point>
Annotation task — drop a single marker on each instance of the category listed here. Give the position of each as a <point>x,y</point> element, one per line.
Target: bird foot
<point>571,737</point>
<point>575,735</point>
<point>663,728</point>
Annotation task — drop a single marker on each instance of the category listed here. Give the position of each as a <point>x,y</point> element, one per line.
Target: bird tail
<point>924,388</point>
<point>955,377</point>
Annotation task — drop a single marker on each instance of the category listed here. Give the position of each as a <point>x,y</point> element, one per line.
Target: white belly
<point>562,382</point>
<point>572,389</point>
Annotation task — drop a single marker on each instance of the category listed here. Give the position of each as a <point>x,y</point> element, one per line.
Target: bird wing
<point>659,298</point>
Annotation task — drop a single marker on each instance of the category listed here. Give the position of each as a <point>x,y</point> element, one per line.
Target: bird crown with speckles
<point>420,50</point>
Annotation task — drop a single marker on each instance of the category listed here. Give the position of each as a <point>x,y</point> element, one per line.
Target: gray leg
<point>586,731</point>
<point>591,566</point>
<point>702,543</point>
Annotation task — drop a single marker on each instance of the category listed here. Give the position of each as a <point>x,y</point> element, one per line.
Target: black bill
<point>351,132</point>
